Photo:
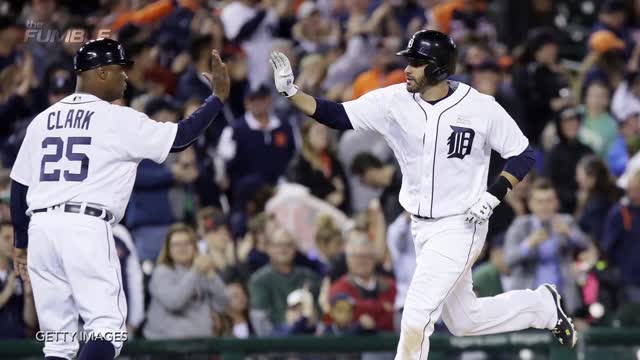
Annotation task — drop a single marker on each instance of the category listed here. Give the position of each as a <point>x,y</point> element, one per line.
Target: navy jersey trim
<point>426,119</point>
<point>473,237</point>
<point>435,148</point>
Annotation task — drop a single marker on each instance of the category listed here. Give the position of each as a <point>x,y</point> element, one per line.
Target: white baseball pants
<point>74,270</point>
<point>446,249</point>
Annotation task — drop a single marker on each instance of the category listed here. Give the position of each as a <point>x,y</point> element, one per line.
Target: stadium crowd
<point>273,224</point>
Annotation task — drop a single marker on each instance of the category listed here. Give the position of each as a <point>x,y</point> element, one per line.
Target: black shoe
<point>564,330</point>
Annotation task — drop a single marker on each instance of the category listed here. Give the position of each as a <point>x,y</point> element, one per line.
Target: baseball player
<point>442,133</point>
<point>72,180</point>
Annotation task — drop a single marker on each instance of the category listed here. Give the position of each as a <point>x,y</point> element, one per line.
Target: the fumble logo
<point>460,142</point>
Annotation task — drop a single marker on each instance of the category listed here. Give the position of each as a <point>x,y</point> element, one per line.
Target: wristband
<point>500,188</point>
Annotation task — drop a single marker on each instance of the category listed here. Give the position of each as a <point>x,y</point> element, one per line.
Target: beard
<point>417,86</point>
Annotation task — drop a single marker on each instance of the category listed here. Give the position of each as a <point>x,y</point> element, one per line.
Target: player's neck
<point>88,90</point>
<point>4,263</point>
<point>435,92</point>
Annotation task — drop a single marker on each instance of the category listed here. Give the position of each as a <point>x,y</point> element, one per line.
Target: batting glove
<point>282,74</point>
<point>481,211</point>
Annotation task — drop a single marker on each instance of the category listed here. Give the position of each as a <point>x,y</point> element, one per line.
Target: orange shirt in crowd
<point>150,13</point>
<point>375,79</point>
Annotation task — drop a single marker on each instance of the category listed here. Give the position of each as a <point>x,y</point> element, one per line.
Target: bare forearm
<point>304,102</point>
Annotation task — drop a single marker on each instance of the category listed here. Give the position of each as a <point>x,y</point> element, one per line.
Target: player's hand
<point>481,211</point>
<point>219,77</point>
<point>283,74</point>
<point>20,264</point>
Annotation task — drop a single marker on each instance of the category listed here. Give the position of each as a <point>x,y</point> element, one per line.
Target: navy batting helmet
<point>99,52</point>
<point>436,50</point>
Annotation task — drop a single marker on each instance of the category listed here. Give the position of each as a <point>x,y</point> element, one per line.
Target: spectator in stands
<point>17,309</point>
<point>259,143</point>
<point>471,21</point>
<point>604,63</point>
<point>239,309</point>
<point>386,177</point>
<point>598,129</point>
<point>270,286</point>
<point>627,141</point>
<point>539,248</point>
<point>538,79</point>
<point>318,168</point>
<point>620,240</point>
<point>403,257</point>
<point>383,72</point>
<point>301,316</point>
<point>596,194</point>
<point>144,56</point>
<point>161,192</point>
<point>132,278</point>
<point>191,83</point>
<point>374,295</point>
<point>330,244</point>
<point>251,26</point>
<point>313,71</point>
<point>562,160</point>
<point>342,321</point>
<point>184,289</point>
<point>215,239</point>
<point>20,95</point>
<point>314,32</point>
<point>612,16</point>
<point>238,69</point>
<point>59,82</point>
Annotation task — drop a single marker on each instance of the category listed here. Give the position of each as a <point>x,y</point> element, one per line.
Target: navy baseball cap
<point>259,92</point>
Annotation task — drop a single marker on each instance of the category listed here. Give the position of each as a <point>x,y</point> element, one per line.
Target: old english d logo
<point>460,142</point>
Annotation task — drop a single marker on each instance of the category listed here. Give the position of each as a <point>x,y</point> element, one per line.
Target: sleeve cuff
<point>21,239</point>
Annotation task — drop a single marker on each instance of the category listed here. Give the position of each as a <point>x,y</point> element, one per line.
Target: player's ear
<point>101,73</point>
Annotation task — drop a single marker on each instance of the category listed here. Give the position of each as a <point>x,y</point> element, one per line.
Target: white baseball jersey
<point>84,149</point>
<point>443,149</point>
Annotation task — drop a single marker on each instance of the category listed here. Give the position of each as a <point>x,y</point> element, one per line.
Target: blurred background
<point>294,228</point>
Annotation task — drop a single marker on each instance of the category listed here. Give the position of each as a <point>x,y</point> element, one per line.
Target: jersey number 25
<point>71,155</point>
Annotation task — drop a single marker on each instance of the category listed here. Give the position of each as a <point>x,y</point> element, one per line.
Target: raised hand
<point>283,74</point>
<point>218,77</point>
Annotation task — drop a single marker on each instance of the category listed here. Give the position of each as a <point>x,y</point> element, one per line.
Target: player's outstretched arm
<point>324,111</point>
<point>190,128</point>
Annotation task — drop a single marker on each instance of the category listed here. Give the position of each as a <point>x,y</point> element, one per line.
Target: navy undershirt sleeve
<point>331,114</point>
<point>19,214</point>
<point>520,165</point>
<point>190,128</point>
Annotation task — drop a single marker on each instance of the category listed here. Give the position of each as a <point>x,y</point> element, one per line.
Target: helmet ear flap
<point>434,73</point>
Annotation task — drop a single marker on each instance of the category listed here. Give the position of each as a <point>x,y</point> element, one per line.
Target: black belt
<point>421,217</point>
<point>74,208</point>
